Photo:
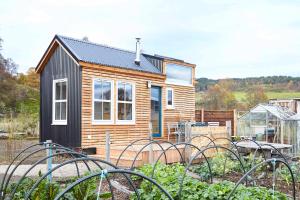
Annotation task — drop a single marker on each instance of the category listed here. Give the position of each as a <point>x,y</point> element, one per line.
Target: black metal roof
<point>104,55</point>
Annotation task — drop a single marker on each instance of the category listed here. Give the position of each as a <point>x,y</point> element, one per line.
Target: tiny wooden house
<point>88,89</point>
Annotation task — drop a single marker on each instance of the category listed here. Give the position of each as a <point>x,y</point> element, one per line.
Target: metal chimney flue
<point>137,60</point>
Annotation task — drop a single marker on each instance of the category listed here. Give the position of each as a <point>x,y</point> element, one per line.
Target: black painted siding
<point>59,66</point>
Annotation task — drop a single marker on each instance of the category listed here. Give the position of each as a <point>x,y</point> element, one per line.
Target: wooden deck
<point>144,156</point>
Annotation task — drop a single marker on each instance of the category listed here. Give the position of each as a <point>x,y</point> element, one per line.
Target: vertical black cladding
<point>59,66</point>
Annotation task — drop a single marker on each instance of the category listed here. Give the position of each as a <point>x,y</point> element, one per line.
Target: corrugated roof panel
<point>105,55</point>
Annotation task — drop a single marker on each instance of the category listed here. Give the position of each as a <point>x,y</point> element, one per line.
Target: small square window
<point>170,98</point>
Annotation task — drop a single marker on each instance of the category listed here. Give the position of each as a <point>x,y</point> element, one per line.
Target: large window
<point>170,98</point>
<point>102,101</point>
<point>59,107</point>
<point>125,103</point>
<point>178,74</point>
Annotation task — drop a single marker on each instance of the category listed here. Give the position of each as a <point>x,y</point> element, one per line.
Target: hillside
<point>269,83</point>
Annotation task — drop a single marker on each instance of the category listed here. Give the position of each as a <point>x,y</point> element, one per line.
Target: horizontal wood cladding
<point>94,135</point>
<point>184,105</point>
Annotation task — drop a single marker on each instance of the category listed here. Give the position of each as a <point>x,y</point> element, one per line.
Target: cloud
<point>224,38</point>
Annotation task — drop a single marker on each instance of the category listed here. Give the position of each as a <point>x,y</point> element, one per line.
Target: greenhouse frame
<point>271,123</point>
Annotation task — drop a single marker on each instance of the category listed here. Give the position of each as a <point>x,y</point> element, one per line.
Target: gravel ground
<point>65,171</point>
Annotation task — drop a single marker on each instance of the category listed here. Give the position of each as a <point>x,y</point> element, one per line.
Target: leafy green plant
<point>220,164</point>
<point>169,176</point>
<point>285,174</point>
<point>46,190</point>
<point>22,188</point>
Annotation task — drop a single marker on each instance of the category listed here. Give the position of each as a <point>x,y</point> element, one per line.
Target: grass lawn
<point>271,95</point>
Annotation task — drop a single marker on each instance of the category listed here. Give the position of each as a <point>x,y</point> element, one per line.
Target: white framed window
<point>170,98</point>
<point>59,102</point>
<point>102,101</point>
<point>179,74</point>
<point>125,103</point>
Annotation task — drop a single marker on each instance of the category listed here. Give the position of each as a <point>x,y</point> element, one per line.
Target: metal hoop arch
<point>260,164</point>
<point>94,160</point>
<point>113,172</point>
<point>198,153</point>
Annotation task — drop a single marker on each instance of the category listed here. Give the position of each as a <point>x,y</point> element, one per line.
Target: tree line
<point>19,97</point>
<point>269,83</point>
<point>220,96</point>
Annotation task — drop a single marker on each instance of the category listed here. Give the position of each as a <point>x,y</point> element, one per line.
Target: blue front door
<point>156,110</point>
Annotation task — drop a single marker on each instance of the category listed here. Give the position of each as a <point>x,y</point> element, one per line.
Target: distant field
<point>280,95</point>
<point>271,95</point>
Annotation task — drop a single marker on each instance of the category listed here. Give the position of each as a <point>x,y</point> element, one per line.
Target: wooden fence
<point>220,116</point>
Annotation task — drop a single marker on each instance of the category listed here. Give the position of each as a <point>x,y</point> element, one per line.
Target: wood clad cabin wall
<point>184,105</point>
<point>94,135</point>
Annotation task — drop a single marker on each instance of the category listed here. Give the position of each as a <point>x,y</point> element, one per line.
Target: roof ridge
<point>94,43</point>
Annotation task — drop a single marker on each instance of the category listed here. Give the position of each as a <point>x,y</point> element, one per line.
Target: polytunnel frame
<point>115,171</point>
<point>273,161</point>
<point>186,145</point>
<point>149,143</point>
<point>45,158</point>
<point>58,147</point>
<point>135,141</point>
<point>94,160</point>
<point>23,151</point>
<point>15,158</point>
<point>202,151</point>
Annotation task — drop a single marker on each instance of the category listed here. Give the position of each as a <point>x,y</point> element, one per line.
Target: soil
<point>266,181</point>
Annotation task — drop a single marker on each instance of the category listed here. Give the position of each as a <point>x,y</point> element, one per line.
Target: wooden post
<point>107,146</point>
<point>234,122</point>
<point>202,114</point>
<point>151,159</point>
<point>228,129</point>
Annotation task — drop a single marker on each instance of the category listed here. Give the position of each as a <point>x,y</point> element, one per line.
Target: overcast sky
<point>225,38</point>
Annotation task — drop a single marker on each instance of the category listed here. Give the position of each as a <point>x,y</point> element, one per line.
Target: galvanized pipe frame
<point>258,145</point>
<point>15,158</point>
<point>18,155</point>
<point>223,138</point>
<point>264,163</point>
<point>186,145</point>
<point>85,158</point>
<point>22,160</point>
<point>115,171</point>
<point>43,159</point>
<point>149,143</point>
<point>135,141</point>
<point>94,160</point>
<point>205,136</point>
<point>200,152</point>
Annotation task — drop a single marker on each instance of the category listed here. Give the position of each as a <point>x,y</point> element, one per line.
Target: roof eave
<point>56,41</point>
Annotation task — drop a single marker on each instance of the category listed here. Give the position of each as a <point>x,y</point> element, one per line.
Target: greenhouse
<point>271,123</point>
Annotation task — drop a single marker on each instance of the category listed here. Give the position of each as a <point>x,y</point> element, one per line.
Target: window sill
<point>125,122</point>
<point>59,123</point>
<point>170,108</point>
<point>102,123</point>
